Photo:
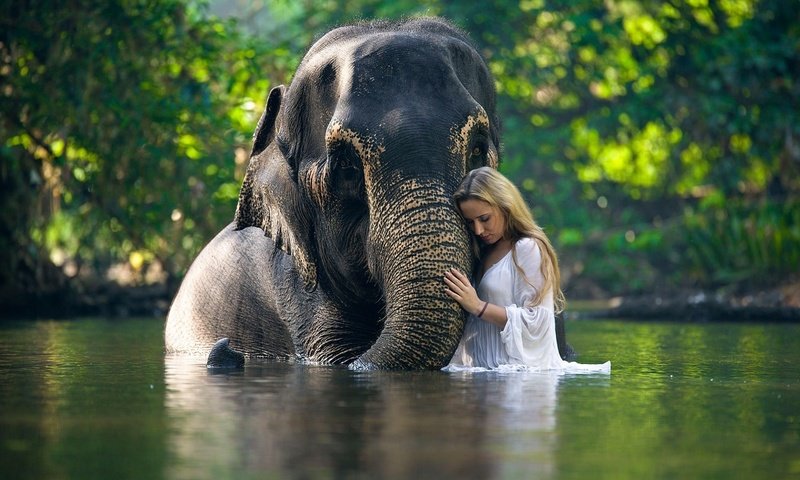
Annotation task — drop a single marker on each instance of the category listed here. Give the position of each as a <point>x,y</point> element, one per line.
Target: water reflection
<point>81,400</point>
<point>306,421</point>
<point>95,399</point>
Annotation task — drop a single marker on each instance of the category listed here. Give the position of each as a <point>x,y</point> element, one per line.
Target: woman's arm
<point>461,290</point>
<point>529,257</point>
<point>527,286</point>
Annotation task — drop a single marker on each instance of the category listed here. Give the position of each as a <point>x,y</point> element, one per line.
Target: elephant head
<point>352,173</point>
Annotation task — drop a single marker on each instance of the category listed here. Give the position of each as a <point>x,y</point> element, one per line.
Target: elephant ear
<point>267,124</point>
<point>270,199</point>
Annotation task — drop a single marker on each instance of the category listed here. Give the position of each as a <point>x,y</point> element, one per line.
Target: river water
<point>96,398</point>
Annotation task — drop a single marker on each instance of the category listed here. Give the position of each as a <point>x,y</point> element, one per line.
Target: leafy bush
<point>743,242</point>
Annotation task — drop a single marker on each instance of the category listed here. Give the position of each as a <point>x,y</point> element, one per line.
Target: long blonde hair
<point>492,187</point>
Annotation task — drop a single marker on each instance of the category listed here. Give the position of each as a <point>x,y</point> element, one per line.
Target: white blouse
<point>528,341</point>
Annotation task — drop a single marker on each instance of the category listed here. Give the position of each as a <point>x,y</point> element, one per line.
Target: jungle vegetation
<point>658,141</point>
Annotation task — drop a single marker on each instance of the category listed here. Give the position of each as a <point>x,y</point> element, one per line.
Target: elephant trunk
<point>419,237</point>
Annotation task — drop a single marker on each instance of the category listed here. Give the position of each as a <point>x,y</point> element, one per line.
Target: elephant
<point>345,222</point>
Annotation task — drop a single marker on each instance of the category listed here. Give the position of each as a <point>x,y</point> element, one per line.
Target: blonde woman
<point>512,312</point>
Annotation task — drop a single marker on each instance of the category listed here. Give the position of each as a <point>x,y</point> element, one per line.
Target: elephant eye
<point>344,162</point>
<point>346,171</point>
<point>344,157</point>
<point>477,152</point>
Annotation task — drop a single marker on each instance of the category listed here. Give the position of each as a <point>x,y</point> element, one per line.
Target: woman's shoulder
<point>527,245</point>
<point>528,253</point>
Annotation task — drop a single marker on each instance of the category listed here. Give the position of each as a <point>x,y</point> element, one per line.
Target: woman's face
<point>487,222</point>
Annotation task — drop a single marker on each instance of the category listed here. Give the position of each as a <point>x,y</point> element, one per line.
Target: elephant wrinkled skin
<point>351,178</point>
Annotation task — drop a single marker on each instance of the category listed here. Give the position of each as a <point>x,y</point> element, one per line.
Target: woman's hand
<point>460,289</point>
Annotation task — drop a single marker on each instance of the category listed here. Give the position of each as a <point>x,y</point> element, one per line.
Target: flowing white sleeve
<point>529,334</point>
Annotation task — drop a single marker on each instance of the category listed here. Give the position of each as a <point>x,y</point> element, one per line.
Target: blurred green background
<point>658,142</point>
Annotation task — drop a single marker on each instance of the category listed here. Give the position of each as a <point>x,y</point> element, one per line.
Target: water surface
<point>96,398</point>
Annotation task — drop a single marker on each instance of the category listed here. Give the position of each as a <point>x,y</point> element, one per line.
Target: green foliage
<point>736,241</point>
<point>619,91</point>
<point>132,121</point>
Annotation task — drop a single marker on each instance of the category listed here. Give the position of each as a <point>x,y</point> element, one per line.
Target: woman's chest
<point>497,284</point>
